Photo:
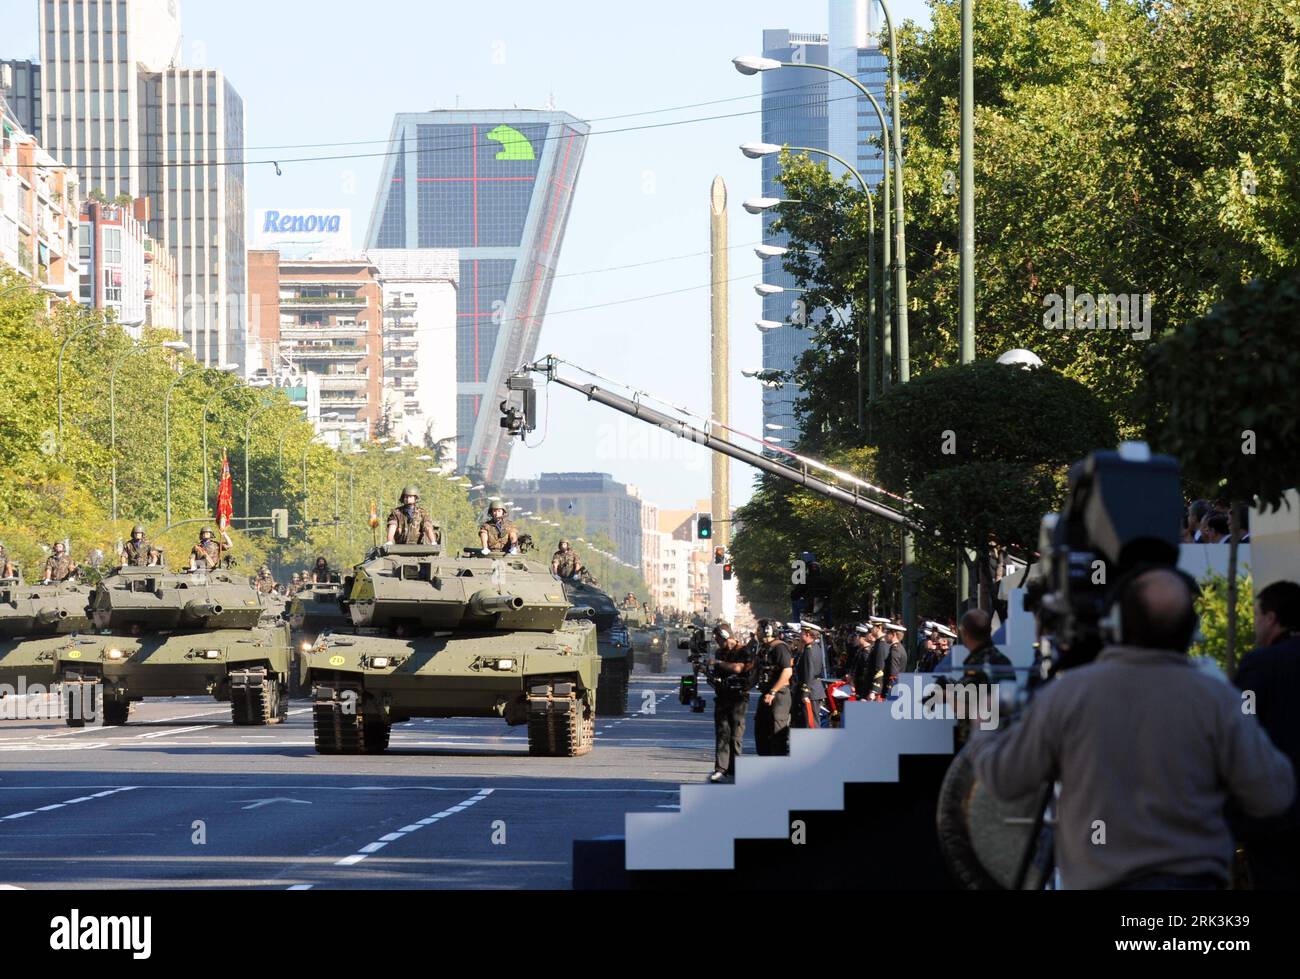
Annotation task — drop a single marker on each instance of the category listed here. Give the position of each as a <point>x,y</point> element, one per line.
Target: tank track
<point>256,697</point>
<point>611,690</point>
<point>340,732</point>
<point>115,711</point>
<point>82,700</point>
<point>559,726</point>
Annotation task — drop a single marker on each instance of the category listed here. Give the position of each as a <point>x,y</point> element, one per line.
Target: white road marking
<point>383,841</point>
<point>175,730</point>
<point>300,887</point>
<point>69,802</point>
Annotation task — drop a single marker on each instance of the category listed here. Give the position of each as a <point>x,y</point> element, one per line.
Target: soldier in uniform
<point>138,552</point>
<point>410,523</point>
<point>58,566</point>
<point>6,566</point>
<point>497,534</point>
<point>891,665</point>
<point>320,574</point>
<point>565,562</point>
<point>809,667</point>
<point>733,669</point>
<point>295,584</point>
<point>265,582</point>
<point>772,718</point>
<point>207,553</point>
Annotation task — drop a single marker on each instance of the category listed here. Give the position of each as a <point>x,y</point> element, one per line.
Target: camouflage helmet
<point>208,531</point>
<point>565,540</point>
<point>408,490</point>
<point>138,529</point>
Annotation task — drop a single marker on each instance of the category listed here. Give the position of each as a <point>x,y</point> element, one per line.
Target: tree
<point>1236,431</point>
<point>983,450</point>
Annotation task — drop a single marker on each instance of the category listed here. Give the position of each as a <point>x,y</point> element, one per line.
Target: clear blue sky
<point>326,71</point>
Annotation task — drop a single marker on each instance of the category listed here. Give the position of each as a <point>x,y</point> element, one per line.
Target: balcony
<point>342,382</point>
<point>322,302</point>
<point>322,353</point>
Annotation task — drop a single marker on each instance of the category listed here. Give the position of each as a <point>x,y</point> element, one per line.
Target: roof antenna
<point>277,169</point>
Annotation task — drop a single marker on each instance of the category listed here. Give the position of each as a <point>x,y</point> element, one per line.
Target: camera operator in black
<point>772,719</point>
<point>730,675</point>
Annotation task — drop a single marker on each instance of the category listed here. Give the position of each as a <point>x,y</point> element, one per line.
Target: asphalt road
<point>181,798</point>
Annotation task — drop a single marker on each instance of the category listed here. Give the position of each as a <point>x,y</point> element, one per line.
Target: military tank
<point>314,610</point>
<point>37,622</point>
<point>650,646</point>
<point>613,641</point>
<point>434,635</point>
<point>173,634</point>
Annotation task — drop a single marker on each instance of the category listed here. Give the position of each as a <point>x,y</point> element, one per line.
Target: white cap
<point>945,631</point>
<point>809,627</point>
<point>877,619</point>
<point>895,627</point>
<point>862,629</point>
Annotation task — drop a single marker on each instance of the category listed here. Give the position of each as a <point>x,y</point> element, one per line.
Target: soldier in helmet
<point>410,523</point>
<point>295,584</point>
<point>59,567</point>
<point>265,581</point>
<point>207,553</point>
<point>497,534</point>
<point>138,552</point>
<point>565,562</point>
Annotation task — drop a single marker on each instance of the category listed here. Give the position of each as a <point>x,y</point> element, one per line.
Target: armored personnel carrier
<point>172,634</point>
<point>613,641</point>
<point>37,622</point>
<point>650,646</point>
<point>434,635</point>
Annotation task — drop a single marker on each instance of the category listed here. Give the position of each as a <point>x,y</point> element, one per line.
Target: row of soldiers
<point>137,552</point>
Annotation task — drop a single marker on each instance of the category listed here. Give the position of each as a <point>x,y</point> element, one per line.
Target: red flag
<point>225,499</point>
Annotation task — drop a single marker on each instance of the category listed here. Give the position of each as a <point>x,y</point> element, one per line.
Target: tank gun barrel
<point>201,610</point>
<point>581,612</point>
<point>50,614</point>
<point>489,603</point>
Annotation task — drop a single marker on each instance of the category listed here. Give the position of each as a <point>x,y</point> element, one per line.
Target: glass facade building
<point>816,109</point>
<point>20,84</point>
<point>497,187</point>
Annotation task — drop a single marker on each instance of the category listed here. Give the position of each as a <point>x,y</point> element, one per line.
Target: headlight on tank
<point>115,654</point>
<point>381,662</point>
<point>504,664</point>
<point>305,647</point>
<point>212,654</point>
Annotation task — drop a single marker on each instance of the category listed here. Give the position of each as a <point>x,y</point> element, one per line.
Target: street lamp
<point>167,426</point>
<point>757,151</point>
<point>752,65</point>
<point>58,384</point>
<point>178,346</point>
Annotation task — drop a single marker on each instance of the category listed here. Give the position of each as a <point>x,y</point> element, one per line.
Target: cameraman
<point>1148,751</point>
<point>775,668</point>
<point>730,674</point>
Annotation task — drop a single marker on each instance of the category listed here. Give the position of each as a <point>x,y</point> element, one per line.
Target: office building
<point>20,85</point>
<point>607,506</point>
<point>118,106</point>
<point>420,292</point>
<point>115,258</point>
<point>496,185</point>
<point>39,210</point>
<point>322,318</point>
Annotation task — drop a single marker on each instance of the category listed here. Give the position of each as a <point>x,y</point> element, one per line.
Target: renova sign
<point>276,223</point>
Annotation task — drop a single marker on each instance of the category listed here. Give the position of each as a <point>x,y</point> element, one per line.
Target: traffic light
<point>726,571</point>
<point>704,526</point>
<point>719,555</point>
<point>280,524</point>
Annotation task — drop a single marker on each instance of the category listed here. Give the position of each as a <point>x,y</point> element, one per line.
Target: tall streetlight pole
<point>900,240</point>
<point>967,318</point>
<point>167,430</point>
<point>756,151</point>
<point>177,345</point>
<point>752,64</point>
<point>58,384</point>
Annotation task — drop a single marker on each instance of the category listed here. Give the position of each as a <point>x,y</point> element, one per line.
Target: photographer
<point>775,667</point>
<point>730,675</point>
<point>1148,750</point>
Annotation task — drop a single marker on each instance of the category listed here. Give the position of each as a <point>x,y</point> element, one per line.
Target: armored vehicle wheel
<point>81,701</point>
<point>611,690</point>
<point>116,711</point>
<point>338,731</point>
<point>559,724</point>
<point>256,697</point>
<point>374,734</point>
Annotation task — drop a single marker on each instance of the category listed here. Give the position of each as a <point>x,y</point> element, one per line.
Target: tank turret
<point>42,610</point>
<point>154,599</point>
<point>416,587</point>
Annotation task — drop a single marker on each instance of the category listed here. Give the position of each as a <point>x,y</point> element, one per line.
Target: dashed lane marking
<point>69,802</point>
<point>383,841</point>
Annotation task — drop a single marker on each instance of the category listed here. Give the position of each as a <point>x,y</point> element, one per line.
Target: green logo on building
<point>514,144</point>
